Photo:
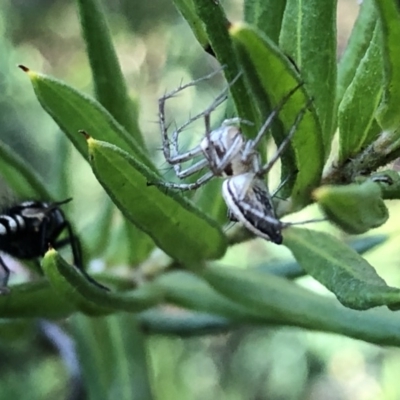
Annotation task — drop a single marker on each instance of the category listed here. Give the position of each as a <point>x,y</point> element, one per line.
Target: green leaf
<point>296,306</point>
<point>73,111</point>
<point>143,244</point>
<point>389,14</point>
<point>360,101</point>
<point>292,270</point>
<point>339,268</point>
<point>109,83</point>
<point>171,221</point>
<point>277,77</point>
<point>60,178</point>
<point>20,176</point>
<point>266,15</point>
<point>183,324</point>
<point>314,54</point>
<point>366,243</point>
<point>68,281</point>
<point>357,45</point>
<point>187,10</point>
<point>112,352</point>
<point>216,25</point>
<point>130,366</point>
<point>211,202</point>
<point>34,300</point>
<point>355,208</point>
<point>189,291</point>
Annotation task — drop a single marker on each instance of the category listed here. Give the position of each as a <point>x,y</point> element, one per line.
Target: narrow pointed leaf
<point>357,45</point>
<point>112,351</point>
<point>189,291</point>
<point>68,281</point>
<point>35,300</point>
<point>184,323</point>
<point>277,78</point>
<point>174,223</point>
<point>314,55</point>
<point>296,306</point>
<point>20,176</point>
<point>73,111</point>
<point>216,26</point>
<point>339,268</point>
<point>389,14</point>
<point>109,83</point>
<point>292,270</point>
<point>360,101</point>
<point>130,366</point>
<point>187,9</point>
<point>266,15</point>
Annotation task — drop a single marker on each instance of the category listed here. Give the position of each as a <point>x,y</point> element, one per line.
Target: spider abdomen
<point>249,202</point>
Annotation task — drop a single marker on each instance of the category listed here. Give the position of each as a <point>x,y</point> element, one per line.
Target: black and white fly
<point>29,228</point>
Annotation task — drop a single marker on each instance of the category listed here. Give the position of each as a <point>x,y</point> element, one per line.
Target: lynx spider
<point>227,153</point>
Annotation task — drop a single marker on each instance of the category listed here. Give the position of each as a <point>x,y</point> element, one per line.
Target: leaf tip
<point>30,73</point>
<point>85,134</point>
<point>25,69</point>
<point>235,28</point>
<point>51,251</point>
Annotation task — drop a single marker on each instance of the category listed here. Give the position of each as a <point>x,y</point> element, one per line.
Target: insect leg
<point>77,255</point>
<point>3,287</point>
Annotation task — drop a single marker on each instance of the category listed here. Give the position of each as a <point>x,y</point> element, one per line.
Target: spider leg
<point>307,221</point>
<point>162,119</point>
<point>171,148</point>
<point>217,164</point>
<point>265,169</point>
<point>192,169</point>
<point>281,185</point>
<point>176,158</point>
<point>186,156</point>
<point>184,186</point>
<point>3,287</point>
<point>252,144</point>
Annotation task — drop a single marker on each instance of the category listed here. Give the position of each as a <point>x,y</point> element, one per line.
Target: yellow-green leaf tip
<point>27,70</point>
<point>235,28</point>
<point>85,134</point>
<point>50,252</point>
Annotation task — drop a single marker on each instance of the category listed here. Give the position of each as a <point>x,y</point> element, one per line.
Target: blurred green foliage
<point>149,357</point>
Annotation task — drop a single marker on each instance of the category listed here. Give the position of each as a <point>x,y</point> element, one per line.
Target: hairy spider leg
<point>172,155</point>
<point>252,144</point>
<point>266,168</point>
<point>218,163</point>
<point>176,158</point>
<point>171,149</point>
